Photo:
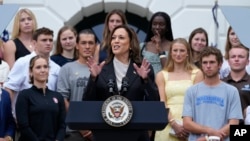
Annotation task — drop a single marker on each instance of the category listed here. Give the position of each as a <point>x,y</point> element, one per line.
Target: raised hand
<point>143,70</point>
<point>94,68</point>
<point>156,39</point>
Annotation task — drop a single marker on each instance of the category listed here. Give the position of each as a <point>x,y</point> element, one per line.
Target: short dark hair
<point>43,30</point>
<point>211,51</point>
<point>85,31</point>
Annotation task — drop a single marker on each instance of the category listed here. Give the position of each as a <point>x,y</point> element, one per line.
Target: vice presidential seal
<point>117,111</point>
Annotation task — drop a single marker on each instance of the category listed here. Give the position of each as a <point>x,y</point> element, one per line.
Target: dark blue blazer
<point>7,123</point>
<point>138,89</point>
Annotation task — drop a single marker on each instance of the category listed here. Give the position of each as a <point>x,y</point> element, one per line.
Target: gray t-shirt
<point>73,79</point>
<point>212,106</point>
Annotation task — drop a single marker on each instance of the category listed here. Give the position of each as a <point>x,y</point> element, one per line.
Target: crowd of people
<point>193,80</point>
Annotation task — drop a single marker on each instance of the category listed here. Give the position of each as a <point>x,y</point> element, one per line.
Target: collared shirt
<point>243,86</point>
<point>4,70</point>
<point>225,69</point>
<point>18,78</point>
<point>40,115</point>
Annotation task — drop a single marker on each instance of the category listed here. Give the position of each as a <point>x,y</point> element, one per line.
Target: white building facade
<point>186,15</point>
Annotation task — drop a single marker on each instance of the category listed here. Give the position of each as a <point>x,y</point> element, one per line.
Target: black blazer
<point>138,89</point>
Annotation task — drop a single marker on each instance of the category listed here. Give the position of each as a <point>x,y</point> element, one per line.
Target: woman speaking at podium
<point>123,73</point>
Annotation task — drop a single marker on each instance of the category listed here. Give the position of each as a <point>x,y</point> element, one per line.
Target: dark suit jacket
<point>7,123</point>
<point>138,89</point>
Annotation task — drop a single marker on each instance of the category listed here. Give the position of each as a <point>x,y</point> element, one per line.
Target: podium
<point>87,115</point>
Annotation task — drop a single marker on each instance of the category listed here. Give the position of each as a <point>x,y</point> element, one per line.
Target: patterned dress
<point>153,58</point>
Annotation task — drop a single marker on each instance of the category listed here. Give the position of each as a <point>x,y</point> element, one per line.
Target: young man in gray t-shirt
<point>211,106</point>
<point>74,76</point>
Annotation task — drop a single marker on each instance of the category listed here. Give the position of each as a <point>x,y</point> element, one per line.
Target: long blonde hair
<point>16,25</point>
<point>189,66</point>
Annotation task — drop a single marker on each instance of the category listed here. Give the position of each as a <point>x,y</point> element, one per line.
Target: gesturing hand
<point>94,68</point>
<point>156,39</point>
<point>143,70</point>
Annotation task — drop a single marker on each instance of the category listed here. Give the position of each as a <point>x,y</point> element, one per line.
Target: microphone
<point>111,85</point>
<point>125,84</point>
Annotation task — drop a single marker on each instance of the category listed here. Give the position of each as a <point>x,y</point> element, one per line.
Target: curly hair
<point>211,51</point>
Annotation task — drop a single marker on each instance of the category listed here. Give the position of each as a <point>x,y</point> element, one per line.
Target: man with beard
<point>211,97</point>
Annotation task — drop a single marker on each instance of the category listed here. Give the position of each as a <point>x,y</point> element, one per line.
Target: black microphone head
<point>111,82</point>
<point>125,83</point>
<point>111,85</point>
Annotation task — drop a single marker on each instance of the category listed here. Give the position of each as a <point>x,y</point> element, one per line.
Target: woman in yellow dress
<point>178,74</point>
